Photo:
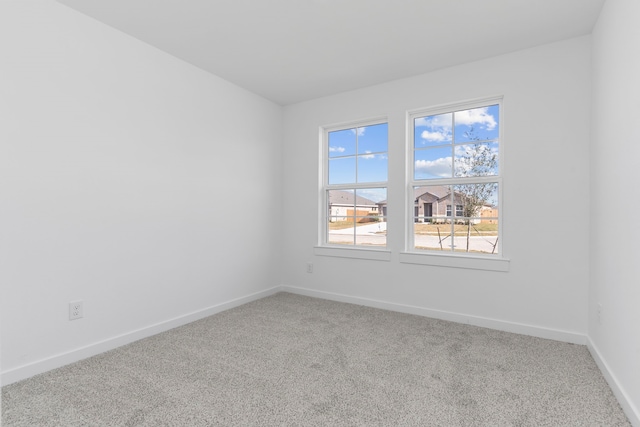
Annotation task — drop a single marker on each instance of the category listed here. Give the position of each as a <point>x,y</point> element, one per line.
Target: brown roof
<point>339,197</point>
<point>439,191</point>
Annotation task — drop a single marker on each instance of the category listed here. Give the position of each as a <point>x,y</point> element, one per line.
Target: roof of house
<point>339,197</point>
<point>439,191</point>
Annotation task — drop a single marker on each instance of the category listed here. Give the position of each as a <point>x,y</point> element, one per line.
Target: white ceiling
<point>295,50</point>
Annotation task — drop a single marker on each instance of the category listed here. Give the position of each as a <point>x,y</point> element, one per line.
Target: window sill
<point>456,261</point>
<point>358,253</point>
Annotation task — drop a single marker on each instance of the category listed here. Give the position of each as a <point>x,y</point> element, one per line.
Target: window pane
<point>476,230</point>
<point>372,168</point>
<point>476,198</point>
<point>355,217</point>
<point>477,235</point>
<point>477,124</point>
<point>342,170</point>
<point>373,139</point>
<point>340,227</point>
<point>341,203</point>
<point>433,163</point>
<point>342,143</point>
<point>433,130</point>
<point>430,203</point>
<point>463,221</point>
<point>371,231</point>
<point>477,159</point>
<point>433,235</point>
<point>341,213</point>
<point>372,197</point>
<point>371,228</point>
<point>341,236</point>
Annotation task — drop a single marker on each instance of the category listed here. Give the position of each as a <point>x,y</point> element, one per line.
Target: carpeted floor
<point>290,360</point>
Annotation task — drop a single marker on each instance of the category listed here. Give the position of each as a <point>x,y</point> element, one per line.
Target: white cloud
<point>368,155</point>
<point>438,128</point>
<point>439,167</point>
<point>336,149</point>
<point>360,131</point>
<point>441,121</point>
<point>437,136</point>
<point>476,116</point>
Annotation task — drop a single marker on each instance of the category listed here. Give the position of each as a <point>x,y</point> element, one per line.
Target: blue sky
<point>358,155</point>
<point>437,139</point>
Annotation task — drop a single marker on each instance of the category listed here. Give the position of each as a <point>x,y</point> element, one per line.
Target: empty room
<point>319,213</point>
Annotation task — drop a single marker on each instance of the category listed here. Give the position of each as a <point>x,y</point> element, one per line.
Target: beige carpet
<point>289,360</point>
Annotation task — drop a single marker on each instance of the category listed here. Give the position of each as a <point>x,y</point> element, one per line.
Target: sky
<point>440,138</point>
<point>359,155</point>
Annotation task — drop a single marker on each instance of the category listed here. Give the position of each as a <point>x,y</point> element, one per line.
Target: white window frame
<point>324,247</point>
<point>497,262</point>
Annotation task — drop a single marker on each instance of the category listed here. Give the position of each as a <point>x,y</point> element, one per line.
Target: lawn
<point>484,229</point>
<point>339,225</point>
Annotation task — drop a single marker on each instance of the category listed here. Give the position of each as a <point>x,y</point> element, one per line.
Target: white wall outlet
<point>309,267</point>
<point>75,310</point>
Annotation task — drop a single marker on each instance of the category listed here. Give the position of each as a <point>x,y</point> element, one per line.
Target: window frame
<point>324,247</point>
<point>495,262</point>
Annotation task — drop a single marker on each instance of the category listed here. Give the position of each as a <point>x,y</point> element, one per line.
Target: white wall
<point>121,166</point>
<point>546,199</point>
<point>129,181</point>
<point>615,232</point>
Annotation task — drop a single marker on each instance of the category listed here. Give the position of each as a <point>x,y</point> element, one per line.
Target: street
<point>374,234</point>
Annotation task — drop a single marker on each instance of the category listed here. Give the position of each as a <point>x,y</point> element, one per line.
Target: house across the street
<point>434,204</point>
<point>346,206</point>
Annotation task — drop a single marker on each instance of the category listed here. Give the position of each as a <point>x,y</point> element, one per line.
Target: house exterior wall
<point>343,212</point>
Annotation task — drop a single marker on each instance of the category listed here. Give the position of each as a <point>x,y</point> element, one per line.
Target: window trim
<point>497,262</point>
<point>324,247</point>
<point>473,262</point>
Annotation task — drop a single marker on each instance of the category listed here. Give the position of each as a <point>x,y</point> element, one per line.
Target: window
<point>456,172</point>
<point>458,211</point>
<point>355,186</point>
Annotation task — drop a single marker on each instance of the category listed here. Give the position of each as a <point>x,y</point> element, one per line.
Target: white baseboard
<point>501,325</point>
<point>53,362</point>
<point>630,410</point>
<point>59,360</point>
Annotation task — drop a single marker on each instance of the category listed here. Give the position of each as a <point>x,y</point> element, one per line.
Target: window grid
<point>470,225</point>
<point>350,204</point>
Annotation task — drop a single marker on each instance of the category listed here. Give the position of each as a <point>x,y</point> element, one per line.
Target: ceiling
<point>290,51</point>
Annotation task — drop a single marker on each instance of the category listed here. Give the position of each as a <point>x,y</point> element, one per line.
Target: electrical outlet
<point>600,314</point>
<point>75,310</point>
<point>309,267</point>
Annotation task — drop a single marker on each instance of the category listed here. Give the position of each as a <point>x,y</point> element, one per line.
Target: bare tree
<point>472,160</point>
<point>477,159</point>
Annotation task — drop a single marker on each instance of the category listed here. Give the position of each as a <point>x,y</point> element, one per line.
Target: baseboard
<point>28,370</point>
<point>518,328</point>
<point>630,410</point>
